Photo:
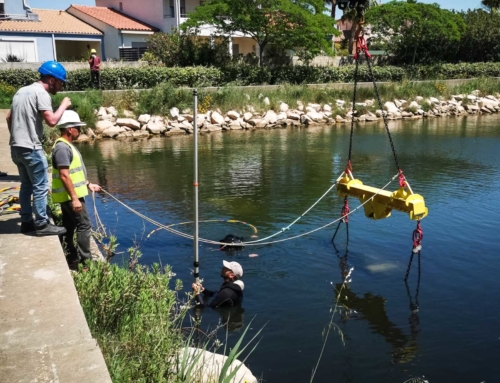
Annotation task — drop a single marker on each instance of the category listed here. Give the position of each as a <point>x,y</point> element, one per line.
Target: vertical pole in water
<point>195,186</point>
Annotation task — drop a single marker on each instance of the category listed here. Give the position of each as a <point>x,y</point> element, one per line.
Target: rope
<point>384,115</point>
<point>254,229</point>
<point>353,109</point>
<point>251,243</point>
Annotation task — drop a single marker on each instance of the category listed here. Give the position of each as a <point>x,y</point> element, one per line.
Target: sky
<point>63,4</point>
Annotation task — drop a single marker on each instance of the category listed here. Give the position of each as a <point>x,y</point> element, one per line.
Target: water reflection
<point>371,308</point>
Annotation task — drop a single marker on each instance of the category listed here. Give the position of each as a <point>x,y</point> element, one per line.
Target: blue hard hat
<point>54,69</point>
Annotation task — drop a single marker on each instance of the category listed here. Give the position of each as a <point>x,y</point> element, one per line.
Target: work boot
<point>49,229</point>
<point>27,227</point>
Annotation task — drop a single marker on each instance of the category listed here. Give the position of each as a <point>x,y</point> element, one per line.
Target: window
<point>121,6</point>
<point>2,9</point>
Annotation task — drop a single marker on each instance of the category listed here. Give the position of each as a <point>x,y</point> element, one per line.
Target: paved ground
<point>44,336</point>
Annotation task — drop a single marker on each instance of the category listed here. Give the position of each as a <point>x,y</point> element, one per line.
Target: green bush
<point>244,74</point>
<point>6,94</point>
<point>135,317</point>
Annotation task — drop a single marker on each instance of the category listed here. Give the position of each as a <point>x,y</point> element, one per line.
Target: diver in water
<point>231,291</point>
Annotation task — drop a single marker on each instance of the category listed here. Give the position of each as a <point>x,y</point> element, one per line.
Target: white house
<point>170,14</point>
<point>124,35</point>
<point>36,35</point>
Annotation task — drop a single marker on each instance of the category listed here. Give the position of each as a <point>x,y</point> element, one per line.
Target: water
<point>268,178</point>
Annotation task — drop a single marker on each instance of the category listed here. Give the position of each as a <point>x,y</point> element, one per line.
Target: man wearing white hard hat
<point>231,291</point>
<point>70,186</point>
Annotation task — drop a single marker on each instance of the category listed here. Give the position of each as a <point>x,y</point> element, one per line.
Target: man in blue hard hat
<point>31,106</point>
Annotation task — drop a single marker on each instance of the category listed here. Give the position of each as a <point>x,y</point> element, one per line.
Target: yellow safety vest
<point>77,175</point>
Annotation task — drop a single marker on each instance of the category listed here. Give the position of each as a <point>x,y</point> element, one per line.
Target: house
<point>37,35</point>
<point>167,15</point>
<point>124,35</point>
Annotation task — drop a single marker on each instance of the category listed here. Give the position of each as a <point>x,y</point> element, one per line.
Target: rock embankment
<point>111,125</point>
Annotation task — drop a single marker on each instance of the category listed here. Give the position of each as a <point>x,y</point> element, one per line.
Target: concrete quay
<point>44,336</point>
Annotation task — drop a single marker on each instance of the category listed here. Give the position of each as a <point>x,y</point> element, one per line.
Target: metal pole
<point>195,188</point>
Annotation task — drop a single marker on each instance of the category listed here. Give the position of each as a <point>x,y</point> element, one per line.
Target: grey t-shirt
<point>26,119</point>
<point>62,155</point>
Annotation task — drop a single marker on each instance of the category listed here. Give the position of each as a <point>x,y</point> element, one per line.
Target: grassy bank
<point>160,99</point>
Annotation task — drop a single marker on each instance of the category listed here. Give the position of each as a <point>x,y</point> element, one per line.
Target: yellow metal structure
<point>381,202</point>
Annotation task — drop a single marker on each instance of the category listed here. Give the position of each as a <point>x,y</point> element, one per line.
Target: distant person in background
<point>95,67</point>
<point>31,106</point>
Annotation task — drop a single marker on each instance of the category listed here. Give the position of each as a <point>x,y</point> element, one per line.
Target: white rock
<point>101,126</point>
<point>181,118</point>
<point>155,127</point>
<point>281,116</point>
<point>284,107</point>
<point>476,93</point>
<point>316,107</point>
<point>299,103</point>
<point>339,118</point>
<point>340,103</point>
<point>266,101</point>
<point>112,110</point>
<point>327,108</point>
<point>90,133</point>
<point>434,100</point>
<point>362,104</point>
<point>419,98</point>
<point>370,102</point>
<point>271,117</point>
<point>233,115</point>
<point>129,122</point>
<point>247,116</point>
<point>493,98</point>
<point>414,104</point>
<point>113,131</point>
<point>471,97</point>
<point>144,118</point>
<point>216,118</point>
<point>391,107</point>
<point>102,112</point>
<point>293,115</point>
<point>105,117</point>
<point>458,97</point>
<point>300,107</point>
<point>83,138</point>
<point>190,118</point>
<point>398,103</point>
<point>174,112</point>
<point>315,116</point>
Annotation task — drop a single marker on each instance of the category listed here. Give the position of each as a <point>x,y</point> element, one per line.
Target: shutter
<point>22,49</point>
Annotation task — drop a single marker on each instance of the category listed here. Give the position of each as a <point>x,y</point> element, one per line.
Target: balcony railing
<point>132,54</point>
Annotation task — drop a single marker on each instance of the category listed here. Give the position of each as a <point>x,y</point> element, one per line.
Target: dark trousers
<point>95,79</point>
<point>79,222</point>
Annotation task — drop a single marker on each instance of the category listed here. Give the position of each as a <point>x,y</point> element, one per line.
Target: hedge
<point>148,77</point>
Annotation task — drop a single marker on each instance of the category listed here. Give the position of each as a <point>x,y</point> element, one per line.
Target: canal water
<point>444,326</point>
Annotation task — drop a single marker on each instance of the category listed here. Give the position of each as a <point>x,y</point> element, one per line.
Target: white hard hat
<point>70,119</point>
<point>235,267</point>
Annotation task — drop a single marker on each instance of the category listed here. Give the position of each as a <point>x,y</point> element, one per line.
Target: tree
<point>288,24</point>
<point>491,5</point>
<point>481,40</point>
<point>417,32</point>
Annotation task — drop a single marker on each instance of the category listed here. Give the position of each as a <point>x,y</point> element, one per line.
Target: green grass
<point>160,99</point>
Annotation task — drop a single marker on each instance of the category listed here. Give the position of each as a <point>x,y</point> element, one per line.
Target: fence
<point>131,54</point>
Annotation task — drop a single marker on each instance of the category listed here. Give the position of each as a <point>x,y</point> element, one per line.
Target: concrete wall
<point>43,43</point>
<point>246,45</point>
<point>112,37</point>
<point>147,11</point>
<point>14,7</point>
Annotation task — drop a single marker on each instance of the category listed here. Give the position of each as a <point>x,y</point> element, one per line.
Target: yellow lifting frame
<point>382,201</point>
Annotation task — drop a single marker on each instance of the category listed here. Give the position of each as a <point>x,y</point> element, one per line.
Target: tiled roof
<point>51,21</point>
<point>114,18</point>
